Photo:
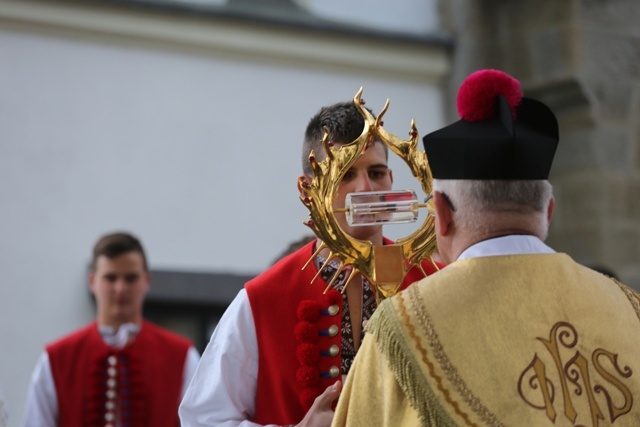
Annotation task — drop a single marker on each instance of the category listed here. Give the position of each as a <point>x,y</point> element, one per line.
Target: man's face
<point>369,173</point>
<point>119,285</point>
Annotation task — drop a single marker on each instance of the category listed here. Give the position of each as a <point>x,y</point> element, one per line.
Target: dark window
<point>191,304</point>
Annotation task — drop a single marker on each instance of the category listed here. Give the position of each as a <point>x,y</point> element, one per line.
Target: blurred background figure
<point>294,246</point>
<point>121,369</point>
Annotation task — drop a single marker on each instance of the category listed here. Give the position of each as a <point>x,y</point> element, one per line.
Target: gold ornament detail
<point>384,266</point>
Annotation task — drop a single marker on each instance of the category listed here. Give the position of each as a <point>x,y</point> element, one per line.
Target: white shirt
<point>41,409</point>
<point>223,389</point>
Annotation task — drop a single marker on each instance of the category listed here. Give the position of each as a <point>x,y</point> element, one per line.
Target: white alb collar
<point>507,245</point>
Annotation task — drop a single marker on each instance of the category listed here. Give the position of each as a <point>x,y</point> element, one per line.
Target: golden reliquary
<point>383,266</point>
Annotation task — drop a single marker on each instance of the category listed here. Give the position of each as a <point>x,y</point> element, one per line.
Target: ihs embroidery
<point>576,376</point>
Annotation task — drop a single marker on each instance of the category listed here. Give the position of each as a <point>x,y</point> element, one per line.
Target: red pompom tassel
<point>308,376</point>
<point>309,310</point>
<point>306,332</point>
<point>308,354</point>
<point>478,93</point>
<point>308,396</point>
<point>333,296</point>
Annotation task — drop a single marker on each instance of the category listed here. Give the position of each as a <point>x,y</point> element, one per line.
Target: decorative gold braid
<point>320,193</point>
<point>425,358</point>
<point>450,371</point>
<point>400,359</point>
<point>633,297</point>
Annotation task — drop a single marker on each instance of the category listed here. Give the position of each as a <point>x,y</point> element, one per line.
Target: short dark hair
<point>345,124</point>
<point>115,244</point>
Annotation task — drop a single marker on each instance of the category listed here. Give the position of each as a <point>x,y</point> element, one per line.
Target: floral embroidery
<point>368,307</point>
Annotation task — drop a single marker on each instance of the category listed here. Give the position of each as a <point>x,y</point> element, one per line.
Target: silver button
<point>334,350</point>
<point>333,309</point>
<point>334,371</point>
<point>112,372</point>
<point>111,383</point>
<point>111,394</point>
<point>112,360</point>
<point>333,330</point>
<point>109,416</point>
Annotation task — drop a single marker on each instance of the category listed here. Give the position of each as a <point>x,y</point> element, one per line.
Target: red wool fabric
<point>285,306</point>
<point>477,95</point>
<point>150,368</point>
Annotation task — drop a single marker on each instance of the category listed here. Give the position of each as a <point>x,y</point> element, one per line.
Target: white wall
<point>198,154</point>
<point>411,16</point>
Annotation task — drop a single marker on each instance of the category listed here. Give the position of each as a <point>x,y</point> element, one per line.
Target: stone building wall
<point>581,57</point>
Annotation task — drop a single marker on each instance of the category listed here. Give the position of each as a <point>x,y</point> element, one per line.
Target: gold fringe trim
<point>449,369</point>
<point>405,367</point>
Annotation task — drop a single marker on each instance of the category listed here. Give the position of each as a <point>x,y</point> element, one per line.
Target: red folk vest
<point>144,379</point>
<point>299,336</point>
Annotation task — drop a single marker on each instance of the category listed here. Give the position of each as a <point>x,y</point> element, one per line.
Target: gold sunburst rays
<point>384,266</point>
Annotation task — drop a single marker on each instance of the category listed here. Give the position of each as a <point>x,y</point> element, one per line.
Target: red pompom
<point>477,96</point>
<point>308,376</point>
<point>309,310</point>
<point>306,332</point>
<point>333,296</point>
<point>308,354</point>
<point>308,396</point>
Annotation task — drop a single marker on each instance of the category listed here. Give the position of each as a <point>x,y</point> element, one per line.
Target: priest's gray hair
<point>477,202</point>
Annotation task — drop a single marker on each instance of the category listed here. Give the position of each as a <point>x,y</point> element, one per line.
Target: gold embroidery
<point>408,371</point>
<point>425,360</point>
<point>451,373</point>
<point>614,412</point>
<point>539,379</point>
<point>633,297</point>
<point>574,376</point>
<point>575,371</point>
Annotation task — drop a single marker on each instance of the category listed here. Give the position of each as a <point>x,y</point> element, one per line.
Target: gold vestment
<point>517,340</point>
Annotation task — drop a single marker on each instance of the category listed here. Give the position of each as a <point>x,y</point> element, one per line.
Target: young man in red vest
<point>119,370</point>
<point>280,352</point>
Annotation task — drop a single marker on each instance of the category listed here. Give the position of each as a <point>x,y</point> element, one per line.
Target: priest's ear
<point>444,213</point>
<point>550,209</point>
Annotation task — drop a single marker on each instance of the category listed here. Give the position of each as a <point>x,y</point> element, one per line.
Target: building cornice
<point>355,51</point>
